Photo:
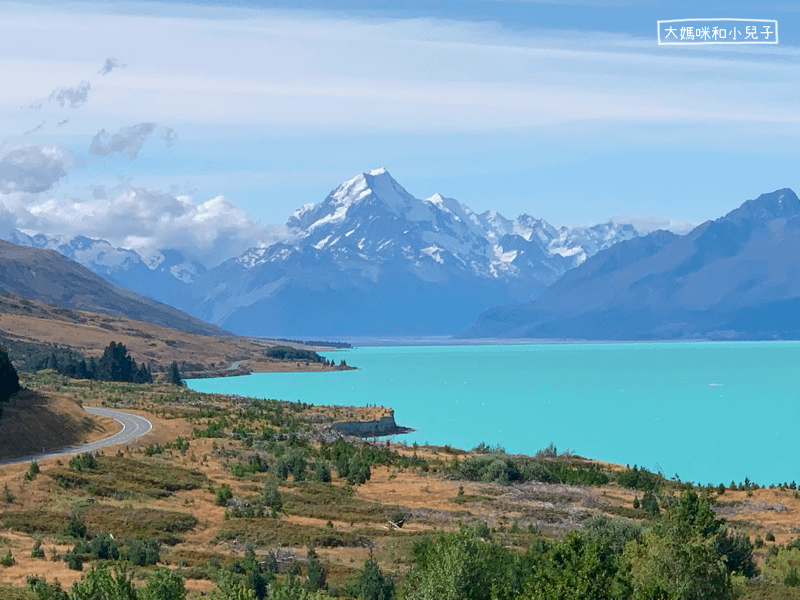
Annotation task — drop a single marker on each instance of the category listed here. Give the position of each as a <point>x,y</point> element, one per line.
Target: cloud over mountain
<point>32,169</point>
<point>144,220</point>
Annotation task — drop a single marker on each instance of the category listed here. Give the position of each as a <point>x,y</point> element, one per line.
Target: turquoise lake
<point>709,412</point>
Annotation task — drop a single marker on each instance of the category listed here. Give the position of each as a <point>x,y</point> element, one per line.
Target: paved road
<point>132,428</point>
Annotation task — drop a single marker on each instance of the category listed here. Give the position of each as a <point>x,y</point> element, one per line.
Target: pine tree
<point>9,380</point>
<point>315,572</point>
<point>174,375</point>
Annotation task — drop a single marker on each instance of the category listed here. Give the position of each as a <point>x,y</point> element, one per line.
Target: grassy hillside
<point>47,275</point>
<point>33,327</point>
<point>228,486</point>
<point>47,419</point>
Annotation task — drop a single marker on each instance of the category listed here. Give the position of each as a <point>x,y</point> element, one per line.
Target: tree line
<point>114,365</point>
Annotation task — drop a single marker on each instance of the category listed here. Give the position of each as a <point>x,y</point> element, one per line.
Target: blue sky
<point>225,118</point>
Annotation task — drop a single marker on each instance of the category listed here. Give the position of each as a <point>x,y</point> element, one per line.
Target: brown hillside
<point>47,275</point>
<point>37,420</point>
<point>88,333</point>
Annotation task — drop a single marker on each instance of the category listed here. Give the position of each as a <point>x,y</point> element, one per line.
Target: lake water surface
<point>708,411</point>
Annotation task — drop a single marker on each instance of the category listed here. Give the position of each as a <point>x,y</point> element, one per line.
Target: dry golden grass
<point>33,421</point>
<point>88,333</point>
<point>428,498</point>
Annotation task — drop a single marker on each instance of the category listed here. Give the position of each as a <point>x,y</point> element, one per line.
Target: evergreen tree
<point>315,572</point>
<point>372,584</point>
<point>650,504</point>
<point>92,369</point>
<point>174,375</point>
<point>9,380</point>
<point>164,584</point>
<point>115,364</point>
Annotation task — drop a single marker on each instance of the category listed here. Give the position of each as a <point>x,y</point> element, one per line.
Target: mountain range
<point>369,259</point>
<point>737,277</point>
<point>47,275</point>
<point>373,260</point>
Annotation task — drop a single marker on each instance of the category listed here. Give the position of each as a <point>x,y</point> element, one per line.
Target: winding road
<point>132,428</point>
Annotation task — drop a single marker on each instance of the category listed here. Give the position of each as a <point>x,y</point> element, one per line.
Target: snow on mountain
<point>371,218</point>
<point>645,224</point>
<point>370,258</point>
<point>373,258</point>
<point>579,243</point>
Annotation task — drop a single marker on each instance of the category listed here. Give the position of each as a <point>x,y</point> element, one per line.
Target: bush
<point>288,353</point>
<point>8,560</point>
<point>75,528</point>
<point>640,479</point>
<point>46,591</point>
<point>271,497</point>
<point>33,471</point>
<point>737,553</point>
<point>164,584</point>
<point>85,461</point>
<point>74,561</point>
<point>323,472</point>
<point>358,470</point>
<point>372,584</point>
<point>37,551</point>
<point>780,566</point>
<point>223,494</point>
<point>141,554</point>
<point>315,572</point>
<point>650,504</point>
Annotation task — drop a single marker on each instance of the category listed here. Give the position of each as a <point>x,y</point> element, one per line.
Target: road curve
<point>132,428</point>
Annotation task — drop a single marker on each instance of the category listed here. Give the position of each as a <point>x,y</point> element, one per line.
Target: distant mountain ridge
<point>369,259</point>
<point>737,277</point>
<point>49,276</point>
<point>373,259</point>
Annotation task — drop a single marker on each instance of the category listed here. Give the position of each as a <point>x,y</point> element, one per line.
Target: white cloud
<point>110,65</point>
<point>317,72</point>
<point>32,169</point>
<point>39,127</point>
<point>127,141</point>
<point>74,96</point>
<point>145,220</point>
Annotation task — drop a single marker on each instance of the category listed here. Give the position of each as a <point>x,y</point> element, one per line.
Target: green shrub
<point>358,470</point>
<point>32,472</point>
<point>223,494</point>
<point>85,461</point>
<point>75,528</point>
<point>780,566</point>
<point>8,560</point>
<point>74,561</point>
<point>140,553</point>
<point>37,551</point>
<point>46,591</point>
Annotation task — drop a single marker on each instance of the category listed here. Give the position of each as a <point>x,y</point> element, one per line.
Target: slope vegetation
<point>35,327</point>
<point>49,276</point>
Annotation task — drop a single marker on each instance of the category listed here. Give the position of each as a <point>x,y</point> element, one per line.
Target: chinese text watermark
<point>717,31</point>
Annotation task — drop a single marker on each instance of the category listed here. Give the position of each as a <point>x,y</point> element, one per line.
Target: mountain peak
<point>379,171</point>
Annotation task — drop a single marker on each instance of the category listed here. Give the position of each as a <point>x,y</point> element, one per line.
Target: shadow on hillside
<point>34,421</point>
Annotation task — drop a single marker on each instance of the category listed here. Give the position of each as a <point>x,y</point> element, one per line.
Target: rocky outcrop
<point>382,426</point>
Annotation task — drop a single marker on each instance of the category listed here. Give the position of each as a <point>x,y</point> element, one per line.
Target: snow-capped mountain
<point>369,259</point>
<point>162,275</point>
<point>372,258</point>
<point>732,278</point>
